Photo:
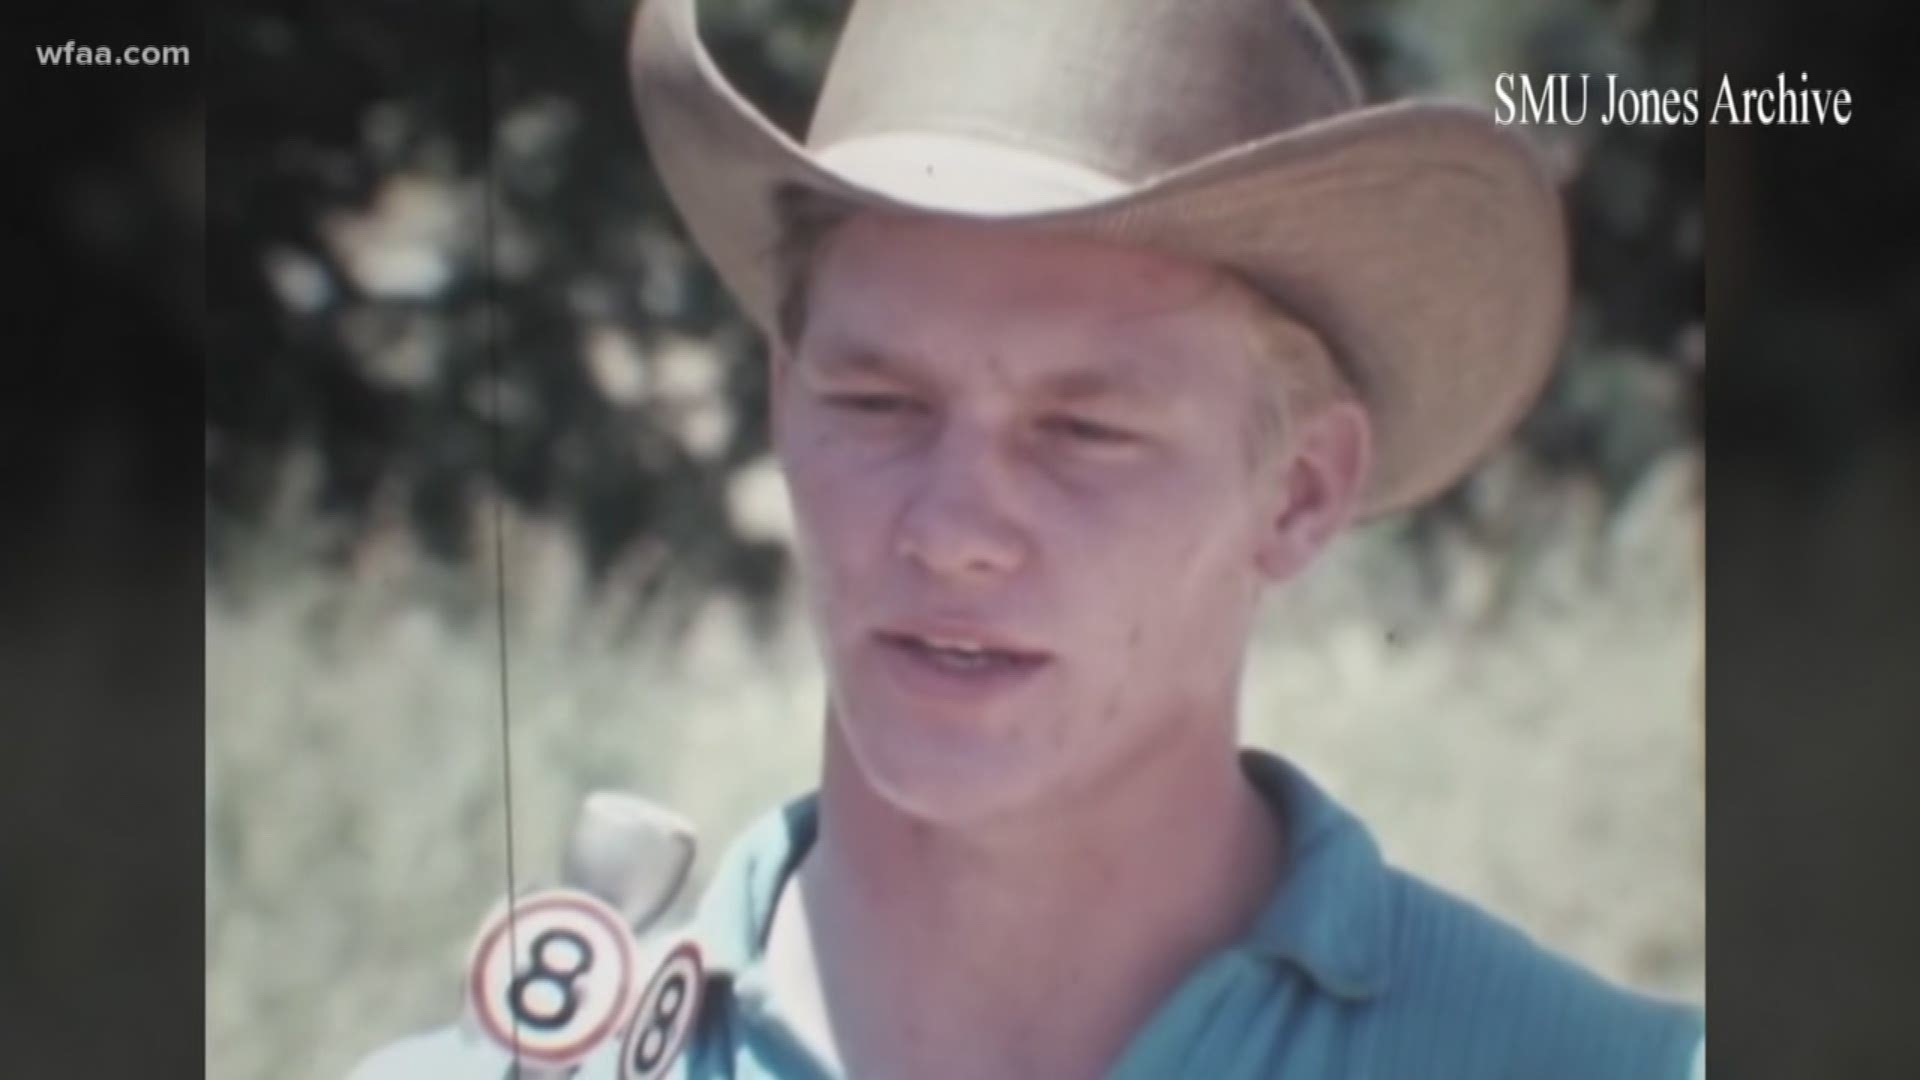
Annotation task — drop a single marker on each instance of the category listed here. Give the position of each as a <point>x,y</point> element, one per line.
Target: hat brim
<point>1425,243</point>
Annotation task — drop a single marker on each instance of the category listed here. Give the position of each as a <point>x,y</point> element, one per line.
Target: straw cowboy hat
<point>1424,243</point>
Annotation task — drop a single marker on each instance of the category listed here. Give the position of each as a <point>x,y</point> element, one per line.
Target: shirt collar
<point>737,909</point>
<point>1329,916</point>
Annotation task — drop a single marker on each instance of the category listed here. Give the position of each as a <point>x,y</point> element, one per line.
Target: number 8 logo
<point>576,960</point>
<point>665,1015</point>
<point>550,977</point>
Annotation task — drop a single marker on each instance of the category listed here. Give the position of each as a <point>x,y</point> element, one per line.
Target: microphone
<point>556,974</point>
<point>630,852</point>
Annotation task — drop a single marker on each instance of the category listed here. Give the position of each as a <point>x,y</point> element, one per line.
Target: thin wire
<point>496,423</point>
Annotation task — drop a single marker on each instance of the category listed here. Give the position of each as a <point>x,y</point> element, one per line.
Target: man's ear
<point>1319,482</point>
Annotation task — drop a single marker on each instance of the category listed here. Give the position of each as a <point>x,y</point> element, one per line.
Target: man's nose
<point>958,525</point>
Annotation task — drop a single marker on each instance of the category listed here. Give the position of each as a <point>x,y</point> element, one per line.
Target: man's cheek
<point>1136,548</point>
<point>815,503</point>
<point>838,533</point>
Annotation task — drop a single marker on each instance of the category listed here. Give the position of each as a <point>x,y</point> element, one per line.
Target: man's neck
<point>1035,951</point>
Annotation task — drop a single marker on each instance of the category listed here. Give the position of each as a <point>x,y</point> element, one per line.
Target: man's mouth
<point>962,653</point>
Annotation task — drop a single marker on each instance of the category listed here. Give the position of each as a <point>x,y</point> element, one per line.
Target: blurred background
<point>480,422</point>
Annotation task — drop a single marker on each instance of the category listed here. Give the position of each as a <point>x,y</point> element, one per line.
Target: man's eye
<point>1083,430</point>
<point>876,404</point>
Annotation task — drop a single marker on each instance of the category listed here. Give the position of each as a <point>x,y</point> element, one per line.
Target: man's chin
<point>946,777</point>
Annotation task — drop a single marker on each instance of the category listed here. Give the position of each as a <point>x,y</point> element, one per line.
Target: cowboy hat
<point>1423,242</point>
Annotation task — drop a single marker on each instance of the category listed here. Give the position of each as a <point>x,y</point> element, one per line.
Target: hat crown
<point>1129,88</point>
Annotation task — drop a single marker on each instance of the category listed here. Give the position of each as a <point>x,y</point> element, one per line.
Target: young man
<point>1091,320</point>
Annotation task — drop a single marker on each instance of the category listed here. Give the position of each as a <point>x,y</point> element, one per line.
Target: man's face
<point>1027,513</point>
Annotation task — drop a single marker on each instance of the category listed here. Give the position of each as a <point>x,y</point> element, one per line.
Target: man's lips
<point>959,664</point>
<point>961,640</point>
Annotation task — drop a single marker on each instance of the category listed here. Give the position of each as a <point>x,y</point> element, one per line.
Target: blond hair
<point>1297,373</point>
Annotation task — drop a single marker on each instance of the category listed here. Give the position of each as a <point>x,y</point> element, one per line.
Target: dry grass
<point>1526,735</point>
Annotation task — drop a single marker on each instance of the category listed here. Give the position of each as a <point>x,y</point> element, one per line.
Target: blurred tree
<point>445,269</point>
<point>1629,390</point>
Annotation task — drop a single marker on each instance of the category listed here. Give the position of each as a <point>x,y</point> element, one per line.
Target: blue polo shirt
<point>1354,970</point>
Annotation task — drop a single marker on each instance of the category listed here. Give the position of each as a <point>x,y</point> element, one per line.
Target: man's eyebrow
<point>1119,381</point>
<point>854,358</point>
